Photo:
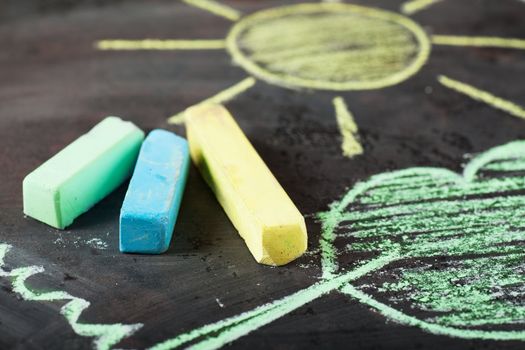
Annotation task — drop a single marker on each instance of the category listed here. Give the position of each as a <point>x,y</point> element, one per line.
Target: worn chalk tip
<point>282,244</point>
<point>36,192</point>
<point>150,236</point>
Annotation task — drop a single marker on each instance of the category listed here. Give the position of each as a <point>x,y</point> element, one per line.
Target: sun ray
<point>223,96</point>
<point>348,129</point>
<point>216,8</point>
<point>412,6</point>
<point>158,44</point>
<point>483,96</point>
<point>479,41</point>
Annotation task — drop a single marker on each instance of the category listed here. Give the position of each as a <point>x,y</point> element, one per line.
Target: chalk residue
<point>97,243</point>
<point>219,302</point>
<point>106,335</point>
<point>77,241</point>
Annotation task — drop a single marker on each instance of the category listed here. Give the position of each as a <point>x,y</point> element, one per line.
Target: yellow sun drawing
<point>328,46</point>
<point>331,46</point>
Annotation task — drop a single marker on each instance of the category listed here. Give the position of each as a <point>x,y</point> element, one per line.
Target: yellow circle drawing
<point>329,46</point>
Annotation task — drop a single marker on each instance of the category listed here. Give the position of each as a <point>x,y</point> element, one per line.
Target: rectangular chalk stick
<point>150,209</point>
<point>83,173</point>
<point>266,218</point>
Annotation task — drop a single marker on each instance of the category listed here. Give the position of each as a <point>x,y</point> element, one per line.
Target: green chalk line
<point>220,333</point>
<point>509,165</point>
<point>428,222</point>
<point>442,206</point>
<point>106,335</point>
<point>405,319</point>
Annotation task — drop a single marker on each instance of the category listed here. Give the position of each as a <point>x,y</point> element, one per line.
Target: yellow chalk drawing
<point>359,48</point>
<point>479,41</point>
<point>216,8</point>
<point>483,96</point>
<point>348,128</point>
<point>413,6</point>
<point>378,49</point>
<point>157,44</point>
<point>221,97</point>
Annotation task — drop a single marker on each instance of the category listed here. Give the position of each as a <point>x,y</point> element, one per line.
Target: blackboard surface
<point>55,85</point>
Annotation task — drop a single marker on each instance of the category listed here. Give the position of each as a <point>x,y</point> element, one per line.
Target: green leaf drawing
<point>474,222</point>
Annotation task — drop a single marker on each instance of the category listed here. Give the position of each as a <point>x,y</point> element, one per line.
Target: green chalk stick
<point>83,173</point>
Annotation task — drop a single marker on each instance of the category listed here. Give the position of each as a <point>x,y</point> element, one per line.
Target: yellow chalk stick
<point>259,208</point>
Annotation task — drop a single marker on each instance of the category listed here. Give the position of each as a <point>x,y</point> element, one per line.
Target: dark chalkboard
<point>438,97</point>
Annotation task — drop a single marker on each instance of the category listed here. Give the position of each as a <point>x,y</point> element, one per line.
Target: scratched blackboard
<point>396,128</point>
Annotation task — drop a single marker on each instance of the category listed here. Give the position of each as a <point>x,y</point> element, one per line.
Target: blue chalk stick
<point>151,205</point>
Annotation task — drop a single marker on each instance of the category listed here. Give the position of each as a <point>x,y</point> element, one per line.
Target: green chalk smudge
<point>106,335</point>
<point>469,293</point>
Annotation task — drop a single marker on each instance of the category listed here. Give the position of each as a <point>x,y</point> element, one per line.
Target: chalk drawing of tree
<point>474,222</point>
